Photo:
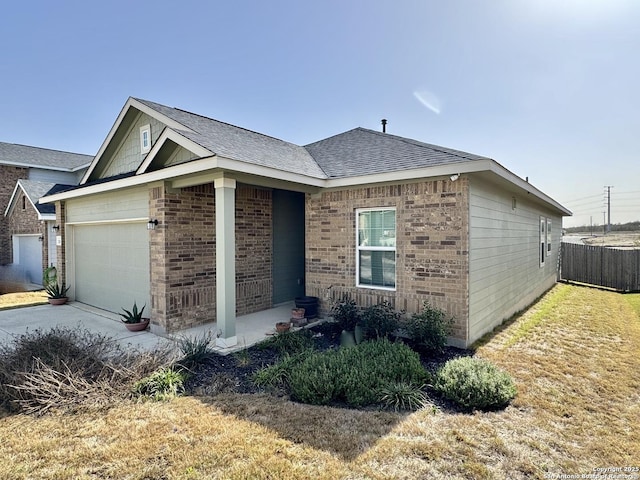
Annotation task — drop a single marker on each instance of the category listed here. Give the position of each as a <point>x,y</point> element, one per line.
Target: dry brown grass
<point>575,357</point>
<point>22,299</point>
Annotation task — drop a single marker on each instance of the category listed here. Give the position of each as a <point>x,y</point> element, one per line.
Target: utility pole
<point>608,187</point>
<point>604,222</point>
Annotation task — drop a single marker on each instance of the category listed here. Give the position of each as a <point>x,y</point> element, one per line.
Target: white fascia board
<point>231,165</point>
<point>189,168</point>
<point>80,167</point>
<point>411,174</point>
<point>131,103</point>
<point>47,217</point>
<point>169,134</point>
<point>13,196</point>
<point>524,185</point>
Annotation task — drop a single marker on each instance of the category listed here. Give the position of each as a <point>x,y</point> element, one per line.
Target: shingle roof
<point>13,154</point>
<point>35,190</point>
<point>361,151</point>
<point>241,144</point>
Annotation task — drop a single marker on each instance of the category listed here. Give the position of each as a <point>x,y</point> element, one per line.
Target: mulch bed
<point>233,373</point>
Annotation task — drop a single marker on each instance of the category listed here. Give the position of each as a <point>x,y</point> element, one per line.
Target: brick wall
<point>254,249</point>
<point>9,175</point>
<point>431,246</point>
<point>182,249</point>
<point>182,257</point>
<point>26,222</point>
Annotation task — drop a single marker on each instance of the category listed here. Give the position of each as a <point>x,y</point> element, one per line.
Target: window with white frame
<point>543,240</point>
<point>548,236</point>
<point>145,138</point>
<point>376,248</point>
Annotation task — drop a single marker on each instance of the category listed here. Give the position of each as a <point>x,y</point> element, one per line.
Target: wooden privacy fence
<point>602,266</point>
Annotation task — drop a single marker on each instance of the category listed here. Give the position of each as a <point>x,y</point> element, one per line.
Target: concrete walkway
<point>18,321</point>
<point>250,329</point>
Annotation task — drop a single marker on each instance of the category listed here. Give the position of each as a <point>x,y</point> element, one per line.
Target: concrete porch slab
<point>250,329</point>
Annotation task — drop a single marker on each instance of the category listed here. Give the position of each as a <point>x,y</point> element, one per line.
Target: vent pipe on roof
<point>384,125</point>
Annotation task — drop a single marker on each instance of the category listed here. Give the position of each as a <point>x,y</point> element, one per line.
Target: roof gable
<point>33,191</point>
<point>237,143</point>
<point>36,157</point>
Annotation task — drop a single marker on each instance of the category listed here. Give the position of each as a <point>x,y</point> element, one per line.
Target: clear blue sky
<point>548,88</point>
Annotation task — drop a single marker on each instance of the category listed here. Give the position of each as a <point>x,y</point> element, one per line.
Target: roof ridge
<point>218,121</point>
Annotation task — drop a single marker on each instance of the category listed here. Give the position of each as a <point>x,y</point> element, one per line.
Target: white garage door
<point>112,265</point>
<point>28,254</point>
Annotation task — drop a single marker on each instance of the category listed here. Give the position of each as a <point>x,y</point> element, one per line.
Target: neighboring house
<point>203,221</point>
<point>27,240</point>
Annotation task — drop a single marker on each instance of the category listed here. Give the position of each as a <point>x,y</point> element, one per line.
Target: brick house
<point>27,238</point>
<point>205,221</point>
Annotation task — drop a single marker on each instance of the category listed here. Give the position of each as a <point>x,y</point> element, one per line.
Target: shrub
<point>162,384</point>
<point>194,350</point>
<point>379,321</point>
<point>429,329</point>
<point>64,368</point>
<point>346,313</point>
<point>277,375</point>
<point>475,384</point>
<point>289,342</point>
<point>354,375</point>
<point>403,396</point>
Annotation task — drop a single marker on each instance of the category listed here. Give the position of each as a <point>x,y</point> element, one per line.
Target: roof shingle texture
<point>41,157</point>
<point>362,152</point>
<point>240,144</point>
<point>353,153</point>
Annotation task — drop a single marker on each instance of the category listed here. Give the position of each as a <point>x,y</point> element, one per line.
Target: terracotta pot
<point>297,313</point>
<point>138,327</point>
<point>282,327</point>
<point>58,301</point>
<point>298,322</point>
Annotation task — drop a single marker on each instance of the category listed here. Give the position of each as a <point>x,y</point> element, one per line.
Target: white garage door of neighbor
<point>30,257</point>
<point>112,265</point>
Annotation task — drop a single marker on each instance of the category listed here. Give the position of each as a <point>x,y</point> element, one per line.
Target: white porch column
<point>226,261</point>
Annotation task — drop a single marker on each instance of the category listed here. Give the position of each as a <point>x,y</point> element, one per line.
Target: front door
<point>288,246</point>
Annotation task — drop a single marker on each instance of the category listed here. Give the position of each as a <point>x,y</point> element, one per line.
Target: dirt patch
<point>627,240</point>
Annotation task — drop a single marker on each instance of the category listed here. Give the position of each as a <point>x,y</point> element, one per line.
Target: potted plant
<point>133,320</point>
<point>282,327</point>
<point>57,293</point>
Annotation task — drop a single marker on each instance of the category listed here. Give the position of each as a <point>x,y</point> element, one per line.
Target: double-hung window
<point>376,248</point>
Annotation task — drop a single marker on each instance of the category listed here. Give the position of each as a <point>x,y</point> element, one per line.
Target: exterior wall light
<point>56,228</point>
<point>454,177</point>
<point>41,238</point>
<point>152,224</point>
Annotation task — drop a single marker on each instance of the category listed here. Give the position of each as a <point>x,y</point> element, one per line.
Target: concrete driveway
<point>18,321</point>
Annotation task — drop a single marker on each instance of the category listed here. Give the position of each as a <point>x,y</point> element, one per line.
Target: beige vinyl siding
<point>180,155</point>
<point>120,205</point>
<point>504,255</point>
<point>128,155</point>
